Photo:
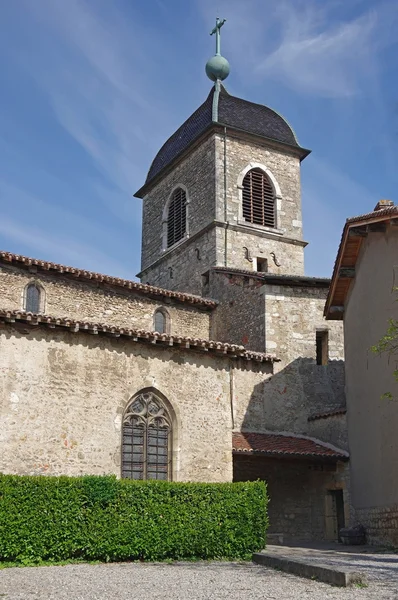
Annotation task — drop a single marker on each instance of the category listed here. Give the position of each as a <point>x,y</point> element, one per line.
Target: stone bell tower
<point>223,191</point>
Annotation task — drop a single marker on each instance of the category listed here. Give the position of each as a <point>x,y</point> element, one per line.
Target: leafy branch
<point>388,344</point>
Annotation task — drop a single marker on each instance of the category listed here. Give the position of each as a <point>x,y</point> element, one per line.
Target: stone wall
<point>299,387</point>
<point>62,396</point>
<point>286,240</point>
<point>217,233</point>
<point>283,166</point>
<point>197,173</point>
<point>283,320</point>
<point>283,257</point>
<point>182,268</point>
<point>239,316</point>
<point>381,524</point>
<point>100,303</point>
<point>331,429</point>
<point>299,492</point>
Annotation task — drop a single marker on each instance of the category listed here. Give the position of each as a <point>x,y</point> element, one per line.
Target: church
<point>218,365</point>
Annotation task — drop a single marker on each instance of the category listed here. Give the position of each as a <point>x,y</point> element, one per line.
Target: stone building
<point>102,375</point>
<point>363,295</point>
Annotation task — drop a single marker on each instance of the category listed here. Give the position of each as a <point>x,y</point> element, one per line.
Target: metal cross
<point>216,30</point>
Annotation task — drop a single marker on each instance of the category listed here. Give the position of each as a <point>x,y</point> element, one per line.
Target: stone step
<point>303,568</point>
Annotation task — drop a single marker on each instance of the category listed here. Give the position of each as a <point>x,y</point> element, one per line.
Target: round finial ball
<point>217,67</point>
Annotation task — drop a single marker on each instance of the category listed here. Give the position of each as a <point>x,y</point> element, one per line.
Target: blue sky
<point>92,88</point>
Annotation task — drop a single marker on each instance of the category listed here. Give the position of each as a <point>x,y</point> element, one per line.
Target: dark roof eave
<point>274,278</point>
<point>100,278</point>
<point>302,153</point>
<point>294,455</point>
<point>137,335</point>
<point>299,150</point>
<point>383,215</point>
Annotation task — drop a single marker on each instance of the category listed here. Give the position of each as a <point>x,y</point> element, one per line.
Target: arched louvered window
<point>177,217</point>
<point>162,321</point>
<point>258,199</point>
<point>33,298</point>
<point>146,445</point>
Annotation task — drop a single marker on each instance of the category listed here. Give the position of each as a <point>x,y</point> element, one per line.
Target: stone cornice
<point>161,340</point>
<point>75,273</point>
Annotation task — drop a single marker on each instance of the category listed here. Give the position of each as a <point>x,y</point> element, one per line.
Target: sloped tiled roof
<point>276,279</point>
<point>330,413</point>
<point>233,112</point>
<point>81,274</point>
<point>136,335</point>
<point>347,256</point>
<point>274,444</point>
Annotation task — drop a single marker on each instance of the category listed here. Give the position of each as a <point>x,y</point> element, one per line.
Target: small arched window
<point>177,217</point>
<point>161,321</point>
<point>258,199</point>
<point>146,446</point>
<point>33,298</point>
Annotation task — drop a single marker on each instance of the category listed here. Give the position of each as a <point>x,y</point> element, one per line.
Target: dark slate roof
<point>232,112</point>
<point>182,138</point>
<point>254,118</point>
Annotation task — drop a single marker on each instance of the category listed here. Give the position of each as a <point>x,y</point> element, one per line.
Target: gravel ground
<point>177,581</point>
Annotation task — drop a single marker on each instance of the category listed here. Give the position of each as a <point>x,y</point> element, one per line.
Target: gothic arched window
<point>146,445</point>
<point>177,217</point>
<point>33,298</point>
<point>258,199</point>
<point>161,321</point>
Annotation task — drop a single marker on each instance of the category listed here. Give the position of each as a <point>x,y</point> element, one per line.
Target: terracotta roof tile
<point>384,212</point>
<point>275,444</point>
<point>140,288</point>
<point>375,216</point>
<point>326,414</point>
<point>138,335</point>
<point>275,279</point>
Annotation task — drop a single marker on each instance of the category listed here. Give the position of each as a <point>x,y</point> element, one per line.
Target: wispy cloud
<point>74,245</point>
<point>100,86</point>
<point>315,58</point>
<point>92,89</point>
<point>309,46</point>
<point>330,196</point>
<point>58,248</point>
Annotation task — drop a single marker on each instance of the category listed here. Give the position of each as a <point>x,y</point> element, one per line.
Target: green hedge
<point>102,518</point>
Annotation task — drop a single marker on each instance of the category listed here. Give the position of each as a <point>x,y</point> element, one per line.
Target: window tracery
<point>146,445</point>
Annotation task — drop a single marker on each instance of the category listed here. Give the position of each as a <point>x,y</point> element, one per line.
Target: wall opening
<point>177,217</point>
<point>335,518</point>
<point>258,206</point>
<point>161,320</point>
<point>262,265</point>
<point>322,346</point>
<point>34,298</point>
<point>205,283</point>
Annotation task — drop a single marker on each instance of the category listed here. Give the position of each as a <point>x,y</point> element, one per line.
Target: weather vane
<point>217,67</point>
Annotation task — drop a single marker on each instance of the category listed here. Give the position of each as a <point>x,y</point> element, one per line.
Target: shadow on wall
<point>301,489</point>
<point>302,389</point>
